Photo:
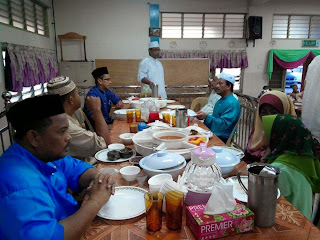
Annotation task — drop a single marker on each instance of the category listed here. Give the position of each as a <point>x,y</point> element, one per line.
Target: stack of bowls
<point>156,181</point>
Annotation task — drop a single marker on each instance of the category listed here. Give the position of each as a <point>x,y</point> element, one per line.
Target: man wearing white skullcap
<point>151,72</point>
<point>84,143</point>
<point>226,112</point>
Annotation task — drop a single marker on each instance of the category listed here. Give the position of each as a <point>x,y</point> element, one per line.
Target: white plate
<point>126,101</point>
<point>103,157</point>
<point>235,151</point>
<point>170,101</point>
<point>126,203</point>
<point>238,192</point>
<point>200,130</point>
<point>175,106</point>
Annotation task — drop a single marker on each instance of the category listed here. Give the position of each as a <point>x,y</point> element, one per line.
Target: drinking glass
<point>129,116</point>
<point>138,114</point>
<point>174,205</point>
<point>173,120</point>
<point>133,127</point>
<point>166,117</point>
<point>153,201</point>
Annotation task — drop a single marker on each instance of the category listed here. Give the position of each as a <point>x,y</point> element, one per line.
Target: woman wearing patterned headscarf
<point>272,102</point>
<point>293,151</point>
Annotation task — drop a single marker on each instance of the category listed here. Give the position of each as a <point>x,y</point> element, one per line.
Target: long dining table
<point>290,223</point>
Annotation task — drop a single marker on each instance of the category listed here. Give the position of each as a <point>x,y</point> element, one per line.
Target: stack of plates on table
<point>126,203</point>
<point>175,106</point>
<point>171,101</point>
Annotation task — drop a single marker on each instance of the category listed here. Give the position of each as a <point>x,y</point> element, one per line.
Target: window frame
<point>288,25</point>
<point>39,23</point>
<point>203,24</point>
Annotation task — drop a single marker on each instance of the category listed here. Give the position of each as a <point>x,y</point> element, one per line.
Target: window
<point>236,72</point>
<point>29,15</point>
<point>202,25</point>
<point>28,92</point>
<point>296,26</point>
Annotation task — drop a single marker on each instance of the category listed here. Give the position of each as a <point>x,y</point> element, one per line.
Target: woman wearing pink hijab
<point>272,102</point>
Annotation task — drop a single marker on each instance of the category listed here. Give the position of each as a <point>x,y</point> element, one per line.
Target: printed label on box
<point>203,226</point>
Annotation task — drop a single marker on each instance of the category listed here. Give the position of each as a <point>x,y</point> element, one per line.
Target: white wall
<point>17,36</point>
<point>118,29</point>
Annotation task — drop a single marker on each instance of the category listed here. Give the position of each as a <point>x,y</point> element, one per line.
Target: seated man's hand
<point>119,104</point>
<point>101,188</point>
<point>201,115</point>
<point>93,104</point>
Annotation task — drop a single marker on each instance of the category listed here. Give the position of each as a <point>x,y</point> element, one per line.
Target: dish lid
<point>203,155</point>
<point>163,160</point>
<point>224,157</point>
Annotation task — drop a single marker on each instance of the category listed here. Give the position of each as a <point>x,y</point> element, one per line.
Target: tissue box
<point>203,226</point>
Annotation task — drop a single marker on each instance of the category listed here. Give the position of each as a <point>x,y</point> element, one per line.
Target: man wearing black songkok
<point>101,90</point>
<point>35,173</point>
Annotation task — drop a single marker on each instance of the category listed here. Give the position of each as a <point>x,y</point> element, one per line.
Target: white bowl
<point>121,114</point>
<point>136,104</point>
<point>158,135</point>
<point>116,146</point>
<point>174,172</point>
<point>130,173</point>
<point>127,138</point>
<point>226,160</point>
<point>156,181</point>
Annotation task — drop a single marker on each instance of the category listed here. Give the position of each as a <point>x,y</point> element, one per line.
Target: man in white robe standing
<point>151,72</point>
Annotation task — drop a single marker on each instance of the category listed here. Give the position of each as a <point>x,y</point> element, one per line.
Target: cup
<point>153,116</point>
<point>166,117</point>
<point>153,201</point>
<point>133,127</point>
<point>174,206</point>
<point>129,116</point>
<point>173,120</point>
<point>138,114</point>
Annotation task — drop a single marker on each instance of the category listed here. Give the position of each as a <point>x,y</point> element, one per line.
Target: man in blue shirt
<point>226,112</point>
<point>101,90</point>
<point>35,173</point>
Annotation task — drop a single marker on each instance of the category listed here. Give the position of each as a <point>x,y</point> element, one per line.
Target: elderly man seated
<point>35,173</point>
<point>84,143</point>
<point>226,112</point>
<point>213,98</point>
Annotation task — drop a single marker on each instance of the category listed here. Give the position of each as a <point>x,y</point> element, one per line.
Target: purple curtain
<point>30,66</point>
<point>218,59</point>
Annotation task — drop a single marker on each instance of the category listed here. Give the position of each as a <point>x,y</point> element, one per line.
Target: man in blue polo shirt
<point>35,174</point>
<point>101,90</point>
<point>226,111</point>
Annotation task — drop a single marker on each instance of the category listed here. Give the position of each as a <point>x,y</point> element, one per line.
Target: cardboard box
<point>204,227</point>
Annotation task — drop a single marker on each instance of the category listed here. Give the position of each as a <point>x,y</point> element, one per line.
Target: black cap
<point>24,113</point>
<point>99,71</point>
